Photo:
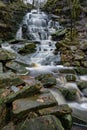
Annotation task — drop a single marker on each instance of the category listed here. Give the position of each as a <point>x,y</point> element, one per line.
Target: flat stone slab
<point>26,91</point>
<point>16,67</point>
<point>25,105</point>
<point>60,110</point>
<point>41,123</point>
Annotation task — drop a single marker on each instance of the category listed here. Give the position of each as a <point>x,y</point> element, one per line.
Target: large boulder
<point>40,123</point>
<point>22,107</point>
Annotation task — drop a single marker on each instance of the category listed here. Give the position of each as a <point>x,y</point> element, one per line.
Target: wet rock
<point>58,111</point>
<point>82,84</point>
<point>48,80</point>
<point>81,70</point>
<point>66,121</point>
<point>6,55</point>
<point>84,91</point>
<point>68,93</point>
<point>26,91</point>
<point>27,49</point>
<point>1,67</point>
<point>67,71</point>
<point>16,67</point>
<point>8,79</point>
<point>71,77</point>
<point>41,123</point>
<point>25,105</point>
<point>59,34</point>
<point>25,31</point>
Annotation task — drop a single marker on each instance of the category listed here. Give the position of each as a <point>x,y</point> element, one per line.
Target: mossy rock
<point>81,70</point>
<point>82,84</point>
<point>27,49</point>
<point>6,55</point>
<point>69,94</point>
<point>66,121</point>
<point>71,77</point>
<point>59,34</point>
<point>41,123</point>
<point>48,80</point>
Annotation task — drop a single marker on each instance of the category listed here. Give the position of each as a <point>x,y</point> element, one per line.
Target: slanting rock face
<point>26,91</point>
<point>8,79</point>
<point>42,123</point>
<point>25,105</point>
<point>49,122</point>
<point>6,55</point>
<point>16,67</point>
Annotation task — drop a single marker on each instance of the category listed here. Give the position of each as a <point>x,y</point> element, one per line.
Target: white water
<point>40,27</point>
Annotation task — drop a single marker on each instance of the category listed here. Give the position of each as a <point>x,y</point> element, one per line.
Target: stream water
<point>39,28</point>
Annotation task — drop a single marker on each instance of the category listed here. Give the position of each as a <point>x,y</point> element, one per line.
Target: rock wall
<point>11,14</point>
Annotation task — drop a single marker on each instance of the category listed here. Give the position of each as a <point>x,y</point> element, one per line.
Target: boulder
<point>23,106</point>
<point>41,123</point>
<point>59,34</point>
<point>26,91</point>
<point>68,93</point>
<point>8,79</point>
<point>48,80</point>
<point>6,55</point>
<point>58,111</point>
<point>82,84</point>
<point>70,77</point>
<point>27,49</point>
<point>81,70</point>
<point>67,71</point>
<point>84,91</point>
<point>66,121</point>
<point>16,67</point>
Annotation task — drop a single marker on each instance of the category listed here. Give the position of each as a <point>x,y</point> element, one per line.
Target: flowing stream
<point>39,28</point>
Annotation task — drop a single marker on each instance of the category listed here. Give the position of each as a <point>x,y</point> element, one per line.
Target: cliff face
<point>11,14</point>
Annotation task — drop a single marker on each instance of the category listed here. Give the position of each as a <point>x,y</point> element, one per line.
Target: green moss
<point>27,49</point>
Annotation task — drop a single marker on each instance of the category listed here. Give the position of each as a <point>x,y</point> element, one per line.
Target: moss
<point>10,18</point>
<point>27,49</point>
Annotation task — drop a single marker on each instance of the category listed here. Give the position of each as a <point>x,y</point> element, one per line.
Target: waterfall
<point>38,26</point>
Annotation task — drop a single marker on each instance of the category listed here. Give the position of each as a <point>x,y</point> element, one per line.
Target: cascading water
<point>39,27</point>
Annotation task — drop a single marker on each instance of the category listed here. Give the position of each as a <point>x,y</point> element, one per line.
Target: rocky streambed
<point>43,77</point>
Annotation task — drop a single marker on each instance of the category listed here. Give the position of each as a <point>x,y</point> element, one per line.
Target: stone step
<point>25,105</point>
